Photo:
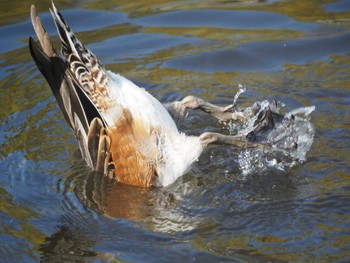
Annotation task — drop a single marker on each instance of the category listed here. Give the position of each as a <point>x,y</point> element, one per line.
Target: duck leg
<point>179,109</point>
<point>240,141</point>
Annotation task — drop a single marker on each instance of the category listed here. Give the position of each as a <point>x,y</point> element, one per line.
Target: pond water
<point>52,208</point>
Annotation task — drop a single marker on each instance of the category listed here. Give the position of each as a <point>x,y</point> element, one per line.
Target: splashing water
<point>290,135</point>
<point>241,89</point>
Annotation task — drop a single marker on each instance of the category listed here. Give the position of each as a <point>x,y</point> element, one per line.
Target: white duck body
<point>170,151</point>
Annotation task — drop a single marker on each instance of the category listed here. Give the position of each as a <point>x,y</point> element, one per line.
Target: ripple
<point>234,205</point>
<point>266,56</point>
<point>223,19</point>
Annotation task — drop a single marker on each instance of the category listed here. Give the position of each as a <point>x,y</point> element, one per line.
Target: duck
<point>122,130</point>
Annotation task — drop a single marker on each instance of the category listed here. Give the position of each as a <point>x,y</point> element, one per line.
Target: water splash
<point>289,135</point>
<point>241,89</point>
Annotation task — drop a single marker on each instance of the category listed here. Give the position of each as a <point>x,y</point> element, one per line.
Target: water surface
<point>52,208</point>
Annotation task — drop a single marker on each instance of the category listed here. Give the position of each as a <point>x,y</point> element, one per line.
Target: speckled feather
<point>82,62</point>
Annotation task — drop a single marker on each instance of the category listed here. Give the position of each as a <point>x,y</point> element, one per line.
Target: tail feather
<point>43,36</point>
<point>83,64</point>
<point>70,44</point>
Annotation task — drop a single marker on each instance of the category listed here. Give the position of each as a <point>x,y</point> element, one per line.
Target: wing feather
<point>77,108</point>
<point>83,64</point>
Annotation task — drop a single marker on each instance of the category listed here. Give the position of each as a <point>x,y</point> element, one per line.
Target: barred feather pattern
<point>84,65</point>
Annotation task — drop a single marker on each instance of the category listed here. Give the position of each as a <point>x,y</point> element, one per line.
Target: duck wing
<point>77,106</point>
<point>83,64</point>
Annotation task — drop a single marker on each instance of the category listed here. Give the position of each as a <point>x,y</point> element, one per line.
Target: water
<point>52,208</point>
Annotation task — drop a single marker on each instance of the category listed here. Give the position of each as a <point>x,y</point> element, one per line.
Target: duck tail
<point>83,64</point>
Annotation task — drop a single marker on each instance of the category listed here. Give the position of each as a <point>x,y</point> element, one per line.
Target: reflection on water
<point>113,199</point>
<point>229,207</point>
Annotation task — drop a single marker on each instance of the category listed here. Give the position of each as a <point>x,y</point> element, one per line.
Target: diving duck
<point>122,130</point>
